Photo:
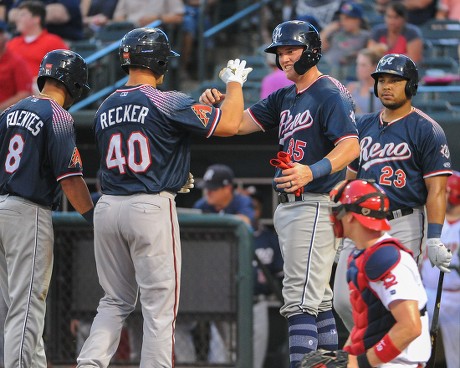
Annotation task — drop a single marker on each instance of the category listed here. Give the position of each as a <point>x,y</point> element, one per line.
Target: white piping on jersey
<point>397,119</point>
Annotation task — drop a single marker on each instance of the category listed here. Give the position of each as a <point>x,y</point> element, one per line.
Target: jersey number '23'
<point>138,158</point>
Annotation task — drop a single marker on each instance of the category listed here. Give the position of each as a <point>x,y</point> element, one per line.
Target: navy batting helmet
<point>67,67</point>
<point>398,64</point>
<point>297,33</point>
<point>146,48</point>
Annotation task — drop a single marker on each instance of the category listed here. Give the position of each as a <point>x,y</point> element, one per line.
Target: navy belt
<point>289,197</point>
<point>400,213</point>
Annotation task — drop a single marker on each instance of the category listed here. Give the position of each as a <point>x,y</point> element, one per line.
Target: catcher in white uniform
<point>386,292</point>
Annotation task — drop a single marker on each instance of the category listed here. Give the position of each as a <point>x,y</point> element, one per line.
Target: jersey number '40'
<point>138,158</point>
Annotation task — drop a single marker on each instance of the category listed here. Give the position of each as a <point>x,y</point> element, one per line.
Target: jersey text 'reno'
<point>123,114</point>
<point>25,119</point>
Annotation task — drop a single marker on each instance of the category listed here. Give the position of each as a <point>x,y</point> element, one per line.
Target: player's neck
<point>143,76</point>
<point>453,214</point>
<point>308,78</point>
<point>390,115</point>
<point>366,238</point>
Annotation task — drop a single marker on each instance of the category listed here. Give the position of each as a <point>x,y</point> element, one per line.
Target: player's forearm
<point>232,111</point>
<point>436,199</point>
<point>77,193</point>
<point>344,153</point>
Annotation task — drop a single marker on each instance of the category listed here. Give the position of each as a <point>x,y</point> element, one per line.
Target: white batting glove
<point>439,255</point>
<point>189,184</point>
<point>235,71</point>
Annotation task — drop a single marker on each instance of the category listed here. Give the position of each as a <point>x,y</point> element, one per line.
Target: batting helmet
<point>67,67</point>
<point>398,64</point>
<point>453,189</point>
<point>297,33</point>
<point>146,48</point>
<point>367,202</point>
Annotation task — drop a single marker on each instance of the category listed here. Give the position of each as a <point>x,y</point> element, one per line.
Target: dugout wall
<point>216,294</point>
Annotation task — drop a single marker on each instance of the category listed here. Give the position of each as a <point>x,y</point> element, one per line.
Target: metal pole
<point>201,42</point>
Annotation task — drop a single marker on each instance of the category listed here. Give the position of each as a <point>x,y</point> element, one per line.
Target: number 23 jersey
<point>400,155</point>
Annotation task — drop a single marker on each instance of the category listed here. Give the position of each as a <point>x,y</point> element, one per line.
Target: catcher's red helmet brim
<point>372,223</point>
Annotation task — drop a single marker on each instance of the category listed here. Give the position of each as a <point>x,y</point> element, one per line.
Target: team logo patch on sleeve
<point>202,112</point>
<point>75,161</point>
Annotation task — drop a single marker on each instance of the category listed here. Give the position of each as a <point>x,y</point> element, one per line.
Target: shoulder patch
<point>381,261</point>
<point>202,112</point>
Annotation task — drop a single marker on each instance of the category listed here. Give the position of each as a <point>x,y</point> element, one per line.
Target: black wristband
<point>363,362</point>
<point>88,216</point>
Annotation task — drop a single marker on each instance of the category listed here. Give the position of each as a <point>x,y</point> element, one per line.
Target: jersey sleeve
<point>339,120</point>
<point>435,151</point>
<point>184,113</point>
<point>401,283</point>
<point>63,153</point>
<point>266,112</point>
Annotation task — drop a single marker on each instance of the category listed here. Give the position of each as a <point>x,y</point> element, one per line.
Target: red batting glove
<point>283,161</point>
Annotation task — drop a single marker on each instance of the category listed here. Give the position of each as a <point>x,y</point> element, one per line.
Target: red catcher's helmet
<point>367,202</point>
<point>453,189</point>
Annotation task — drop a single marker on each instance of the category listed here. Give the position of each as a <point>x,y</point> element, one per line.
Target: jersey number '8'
<point>15,149</point>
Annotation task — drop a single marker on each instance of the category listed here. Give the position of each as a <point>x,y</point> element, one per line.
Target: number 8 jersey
<point>37,150</point>
<point>399,155</point>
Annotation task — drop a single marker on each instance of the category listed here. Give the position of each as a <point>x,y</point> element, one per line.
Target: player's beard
<point>394,105</point>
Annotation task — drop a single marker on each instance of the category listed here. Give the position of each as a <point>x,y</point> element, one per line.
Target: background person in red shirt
<point>33,41</point>
<point>15,79</point>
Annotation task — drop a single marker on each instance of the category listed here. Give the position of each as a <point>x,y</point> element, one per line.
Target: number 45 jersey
<point>143,136</point>
<point>401,154</point>
<point>37,150</point>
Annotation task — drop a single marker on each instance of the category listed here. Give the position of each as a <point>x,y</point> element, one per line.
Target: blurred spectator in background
<point>142,13</point>
<point>221,198</point>
<point>362,89</point>
<point>324,11</point>
<point>96,13</point>
<point>420,11</point>
<point>15,78</point>
<point>448,9</point>
<point>190,28</point>
<point>4,8</point>
<point>275,80</point>
<point>33,41</point>
<point>63,17</point>
<point>395,35</point>
<point>342,39</point>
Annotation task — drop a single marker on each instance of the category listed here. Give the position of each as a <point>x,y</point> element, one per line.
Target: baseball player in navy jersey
<point>143,137</point>
<point>406,153</point>
<point>38,156</point>
<point>386,291</point>
<point>315,120</point>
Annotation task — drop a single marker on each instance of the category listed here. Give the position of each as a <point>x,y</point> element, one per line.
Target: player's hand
<point>439,255</point>
<point>235,71</point>
<point>188,185</point>
<point>211,96</point>
<point>294,178</point>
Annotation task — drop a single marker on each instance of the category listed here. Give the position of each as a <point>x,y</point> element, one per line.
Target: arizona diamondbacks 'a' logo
<point>202,112</point>
<point>277,34</point>
<point>75,161</point>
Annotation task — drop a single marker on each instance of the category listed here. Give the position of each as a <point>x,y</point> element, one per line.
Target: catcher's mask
<point>367,202</point>
<point>297,33</point>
